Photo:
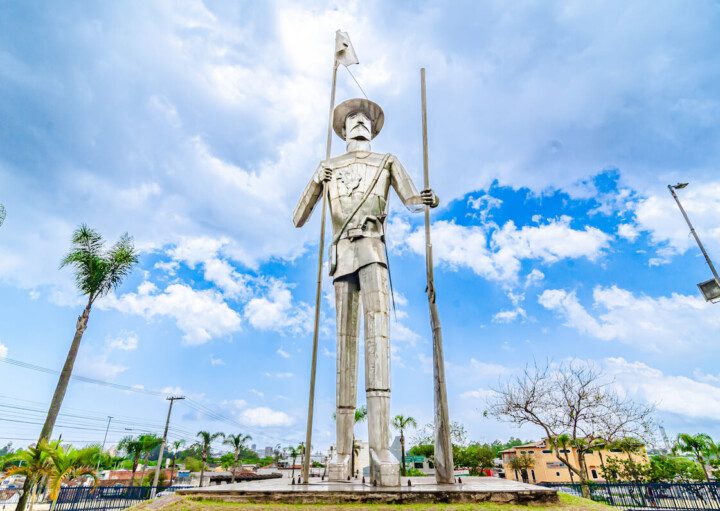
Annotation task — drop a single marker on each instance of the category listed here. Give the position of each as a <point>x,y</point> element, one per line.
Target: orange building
<point>547,468</point>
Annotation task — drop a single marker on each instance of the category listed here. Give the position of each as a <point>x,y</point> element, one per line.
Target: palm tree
<point>206,439</point>
<point>150,442</point>
<point>278,454</point>
<point>66,466</point>
<point>697,445</point>
<point>293,453</point>
<point>132,447</point>
<point>360,416</point>
<point>238,444</point>
<point>97,272</point>
<point>400,422</point>
<point>35,465</point>
<point>522,463</point>
<point>176,447</point>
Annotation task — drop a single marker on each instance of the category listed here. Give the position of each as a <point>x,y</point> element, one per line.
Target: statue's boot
<point>384,466</point>
<point>339,467</point>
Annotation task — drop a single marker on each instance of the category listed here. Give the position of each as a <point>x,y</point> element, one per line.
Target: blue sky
<point>554,131</point>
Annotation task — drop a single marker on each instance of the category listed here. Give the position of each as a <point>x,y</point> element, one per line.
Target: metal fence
<point>646,496</point>
<point>81,498</point>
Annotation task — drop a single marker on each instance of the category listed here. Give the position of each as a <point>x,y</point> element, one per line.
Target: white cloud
<point>282,353</point>
<point>276,311</point>
<point>201,315</point>
<point>3,350</point>
<point>216,361</point>
<point>263,416</point>
<point>257,392</point>
<point>534,277</point>
<point>98,366</point>
<point>508,316</point>
<point>628,231</point>
<point>675,321</point>
<point>499,256</point>
<point>659,215</point>
<point>481,393</point>
<point>206,251</point>
<point>279,375</point>
<point>127,341</point>
<point>673,394</point>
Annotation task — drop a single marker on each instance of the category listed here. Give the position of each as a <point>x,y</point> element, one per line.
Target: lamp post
<point>710,288</point>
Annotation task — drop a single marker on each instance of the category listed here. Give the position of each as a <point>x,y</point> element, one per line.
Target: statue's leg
<point>374,289</point>
<point>346,306</point>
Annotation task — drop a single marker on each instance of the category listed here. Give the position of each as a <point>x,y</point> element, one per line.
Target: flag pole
<point>443,448</point>
<point>318,289</point>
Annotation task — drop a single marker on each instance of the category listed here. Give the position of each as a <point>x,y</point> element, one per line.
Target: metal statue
<point>357,186</point>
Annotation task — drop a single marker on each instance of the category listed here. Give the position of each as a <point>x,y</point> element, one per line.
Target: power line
<point>195,405</point>
<point>85,379</point>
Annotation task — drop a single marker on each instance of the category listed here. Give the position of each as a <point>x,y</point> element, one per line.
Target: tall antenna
<point>2,214</point>
<point>665,439</point>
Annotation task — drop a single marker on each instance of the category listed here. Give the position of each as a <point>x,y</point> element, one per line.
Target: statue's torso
<point>361,242</point>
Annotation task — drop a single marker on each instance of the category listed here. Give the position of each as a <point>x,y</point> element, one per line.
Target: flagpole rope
<point>358,83</point>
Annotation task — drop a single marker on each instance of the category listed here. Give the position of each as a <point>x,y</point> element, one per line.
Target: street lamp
<point>710,289</point>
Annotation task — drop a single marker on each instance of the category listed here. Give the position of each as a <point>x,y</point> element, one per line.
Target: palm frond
<point>98,272</point>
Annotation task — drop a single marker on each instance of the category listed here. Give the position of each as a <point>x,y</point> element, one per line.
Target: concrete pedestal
<point>421,490</point>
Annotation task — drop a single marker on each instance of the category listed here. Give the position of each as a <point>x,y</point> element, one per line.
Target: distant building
<point>547,468</point>
<point>268,452</point>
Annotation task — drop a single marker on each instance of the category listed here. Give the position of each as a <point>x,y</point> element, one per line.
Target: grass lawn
<point>567,503</point>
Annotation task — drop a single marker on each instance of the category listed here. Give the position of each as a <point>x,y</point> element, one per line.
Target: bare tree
<point>575,406</point>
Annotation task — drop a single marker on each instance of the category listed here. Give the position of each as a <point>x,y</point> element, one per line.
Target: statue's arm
<point>308,199</point>
<point>405,188</point>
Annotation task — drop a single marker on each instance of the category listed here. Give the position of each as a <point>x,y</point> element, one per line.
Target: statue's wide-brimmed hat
<point>351,106</point>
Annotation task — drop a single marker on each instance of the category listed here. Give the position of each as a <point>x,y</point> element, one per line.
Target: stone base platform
<point>421,490</point>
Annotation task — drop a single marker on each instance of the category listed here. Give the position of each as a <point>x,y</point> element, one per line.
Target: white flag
<point>344,51</point>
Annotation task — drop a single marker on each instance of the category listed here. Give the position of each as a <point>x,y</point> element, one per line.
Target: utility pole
<point>153,490</point>
<point>103,444</point>
<point>702,285</point>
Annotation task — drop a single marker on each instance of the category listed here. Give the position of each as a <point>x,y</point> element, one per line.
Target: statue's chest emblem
<point>350,177</point>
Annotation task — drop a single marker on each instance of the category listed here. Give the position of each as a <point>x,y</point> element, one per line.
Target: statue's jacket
<point>362,240</point>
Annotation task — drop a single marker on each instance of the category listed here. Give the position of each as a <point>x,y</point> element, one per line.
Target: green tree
<point>427,450</point>
<point>34,463</point>
<point>695,445</point>
<point>522,463</point>
<point>401,423</point>
<point>193,464</point>
<point>176,445</point>
<point>67,465</point>
<point>131,447</point>
<point>674,468</point>
<point>360,416</point>
<point>475,456</point>
<point>237,442</point>
<point>206,439</point>
<point>293,453</point>
<point>97,272</point>
<point>149,442</point>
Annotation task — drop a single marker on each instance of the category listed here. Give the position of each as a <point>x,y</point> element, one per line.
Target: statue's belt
<point>370,227</point>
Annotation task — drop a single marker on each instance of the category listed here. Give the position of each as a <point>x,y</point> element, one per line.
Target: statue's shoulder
<point>348,158</point>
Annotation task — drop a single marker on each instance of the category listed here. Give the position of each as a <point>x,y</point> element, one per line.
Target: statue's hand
<point>326,173</point>
<point>429,198</point>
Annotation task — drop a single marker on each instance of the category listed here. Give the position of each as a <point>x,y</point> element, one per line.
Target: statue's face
<point>358,127</point>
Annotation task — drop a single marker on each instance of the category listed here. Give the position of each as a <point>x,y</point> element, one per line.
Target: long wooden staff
<point>318,289</point>
<point>443,448</point>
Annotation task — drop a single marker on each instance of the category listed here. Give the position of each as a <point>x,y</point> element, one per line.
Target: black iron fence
<point>646,496</point>
<point>81,498</point>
